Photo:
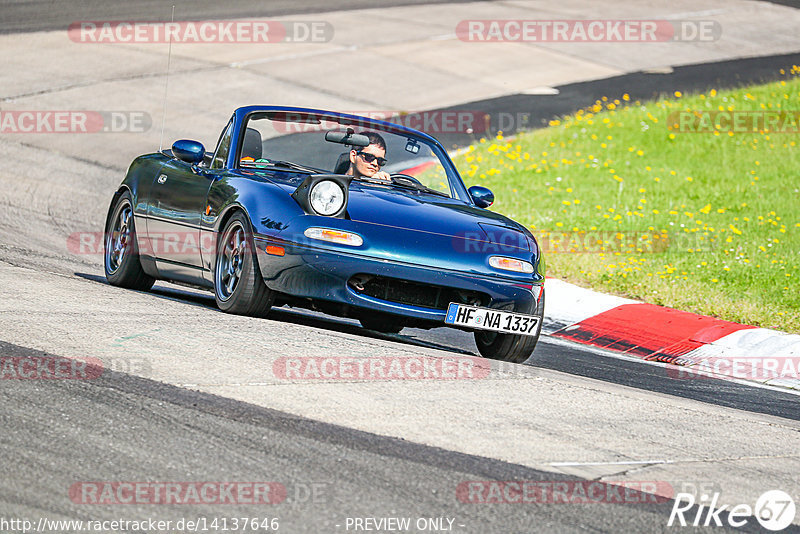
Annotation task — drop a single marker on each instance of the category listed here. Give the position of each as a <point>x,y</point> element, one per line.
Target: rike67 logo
<point>774,510</point>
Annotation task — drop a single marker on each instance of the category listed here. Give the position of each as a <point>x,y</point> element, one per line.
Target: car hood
<point>402,209</point>
<point>411,210</point>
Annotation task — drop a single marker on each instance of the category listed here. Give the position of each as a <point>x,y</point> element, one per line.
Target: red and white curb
<point>698,346</point>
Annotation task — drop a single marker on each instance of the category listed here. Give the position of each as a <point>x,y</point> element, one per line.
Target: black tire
<point>238,286</point>
<point>383,323</point>
<point>121,250</point>
<point>513,348</point>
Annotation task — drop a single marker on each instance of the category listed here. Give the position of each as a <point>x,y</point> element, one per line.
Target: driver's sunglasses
<point>369,158</point>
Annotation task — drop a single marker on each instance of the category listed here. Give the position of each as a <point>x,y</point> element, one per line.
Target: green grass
<point>704,222</point>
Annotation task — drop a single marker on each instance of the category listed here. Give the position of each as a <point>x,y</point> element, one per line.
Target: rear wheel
<point>510,347</point>
<point>121,250</point>
<point>238,286</point>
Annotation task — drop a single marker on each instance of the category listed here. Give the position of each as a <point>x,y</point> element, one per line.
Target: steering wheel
<point>403,178</point>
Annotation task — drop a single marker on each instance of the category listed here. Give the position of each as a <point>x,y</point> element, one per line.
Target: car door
<point>177,202</point>
<point>177,205</point>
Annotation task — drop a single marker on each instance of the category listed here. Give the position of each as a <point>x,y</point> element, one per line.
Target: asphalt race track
<point>188,394</point>
<point>332,472</point>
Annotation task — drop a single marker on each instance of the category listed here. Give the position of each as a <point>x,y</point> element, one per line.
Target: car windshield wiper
<point>293,165</point>
<point>286,165</point>
<point>406,184</point>
<point>410,184</point>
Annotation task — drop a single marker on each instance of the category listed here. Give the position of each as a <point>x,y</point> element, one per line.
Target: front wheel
<point>513,348</point>
<point>238,286</point>
<point>121,250</point>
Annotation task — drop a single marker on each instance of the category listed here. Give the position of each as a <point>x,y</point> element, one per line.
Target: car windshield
<point>297,141</point>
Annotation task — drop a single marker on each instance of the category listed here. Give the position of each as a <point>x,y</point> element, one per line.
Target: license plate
<point>488,319</point>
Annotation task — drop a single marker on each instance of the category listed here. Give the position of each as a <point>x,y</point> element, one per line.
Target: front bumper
<point>319,274</point>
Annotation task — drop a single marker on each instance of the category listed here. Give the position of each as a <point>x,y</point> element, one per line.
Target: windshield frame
<point>243,115</point>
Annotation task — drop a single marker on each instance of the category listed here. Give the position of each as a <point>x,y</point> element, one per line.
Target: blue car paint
<point>408,235</point>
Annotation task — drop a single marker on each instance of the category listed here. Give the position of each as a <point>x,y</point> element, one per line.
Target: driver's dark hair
<point>375,139</point>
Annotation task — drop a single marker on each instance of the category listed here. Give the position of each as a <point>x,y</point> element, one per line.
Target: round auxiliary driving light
<point>326,197</point>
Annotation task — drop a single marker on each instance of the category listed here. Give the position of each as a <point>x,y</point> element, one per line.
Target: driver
<point>367,161</point>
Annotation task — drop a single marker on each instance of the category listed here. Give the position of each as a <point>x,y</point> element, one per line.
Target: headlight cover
<point>334,236</point>
<point>326,197</point>
<point>511,264</point>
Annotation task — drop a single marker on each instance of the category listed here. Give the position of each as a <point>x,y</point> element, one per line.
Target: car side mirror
<point>189,151</point>
<point>481,196</point>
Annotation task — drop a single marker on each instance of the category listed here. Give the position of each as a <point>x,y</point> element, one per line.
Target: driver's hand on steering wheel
<point>381,175</point>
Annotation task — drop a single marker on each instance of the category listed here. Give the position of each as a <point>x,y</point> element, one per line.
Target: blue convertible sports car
<point>351,216</point>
